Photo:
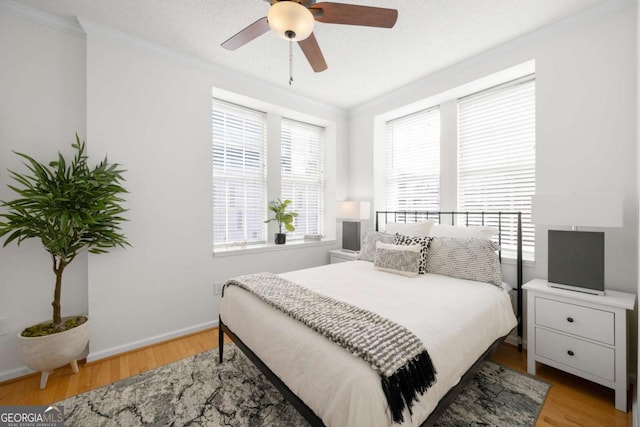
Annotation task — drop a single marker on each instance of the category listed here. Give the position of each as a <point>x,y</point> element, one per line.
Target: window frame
<point>447,101</point>
<point>310,179</point>
<point>275,113</point>
<point>511,167</point>
<point>408,175</point>
<point>241,117</point>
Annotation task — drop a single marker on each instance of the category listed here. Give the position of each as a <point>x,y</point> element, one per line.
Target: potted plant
<point>282,217</point>
<point>69,207</point>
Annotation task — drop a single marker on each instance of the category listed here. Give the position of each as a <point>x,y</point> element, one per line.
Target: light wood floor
<point>571,400</point>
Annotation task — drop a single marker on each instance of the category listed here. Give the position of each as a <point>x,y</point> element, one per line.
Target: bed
<point>461,322</point>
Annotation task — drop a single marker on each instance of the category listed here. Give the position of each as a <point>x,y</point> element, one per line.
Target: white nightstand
<point>583,334</point>
<point>338,255</point>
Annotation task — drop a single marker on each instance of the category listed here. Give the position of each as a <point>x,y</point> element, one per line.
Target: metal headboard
<point>468,218</point>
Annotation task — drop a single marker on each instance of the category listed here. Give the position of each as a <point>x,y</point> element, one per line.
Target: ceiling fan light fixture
<point>290,20</point>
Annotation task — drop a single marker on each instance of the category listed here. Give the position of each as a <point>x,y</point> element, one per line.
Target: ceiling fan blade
<point>350,14</point>
<point>313,53</point>
<point>250,33</point>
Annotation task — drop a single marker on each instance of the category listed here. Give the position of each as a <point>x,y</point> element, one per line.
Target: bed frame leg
<point>220,339</point>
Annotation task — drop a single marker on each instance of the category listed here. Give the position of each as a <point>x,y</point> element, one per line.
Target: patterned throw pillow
<point>401,239</point>
<point>368,246</point>
<point>399,259</point>
<point>469,258</point>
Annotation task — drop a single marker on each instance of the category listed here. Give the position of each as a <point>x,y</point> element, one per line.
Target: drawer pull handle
<point>570,353</point>
<point>570,319</point>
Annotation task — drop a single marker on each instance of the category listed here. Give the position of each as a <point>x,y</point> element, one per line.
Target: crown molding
<point>92,28</point>
<point>381,104</point>
<point>67,25</point>
<point>242,84</point>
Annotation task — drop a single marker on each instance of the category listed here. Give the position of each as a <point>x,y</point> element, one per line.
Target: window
<point>242,186</point>
<point>239,174</point>
<point>413,162</point>
<point>496,155</point>
<point>302,175</point>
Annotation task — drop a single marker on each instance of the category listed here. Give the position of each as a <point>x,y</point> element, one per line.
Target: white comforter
<point>456,319</point>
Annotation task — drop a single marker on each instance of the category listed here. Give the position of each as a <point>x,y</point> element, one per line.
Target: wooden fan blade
<point>252,32</point>
<point>350,14</point>
<point>313,53</point>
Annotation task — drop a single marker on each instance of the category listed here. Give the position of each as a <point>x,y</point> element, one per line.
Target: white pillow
<point>398,259</point>
<point>465,258</point>
<point>419,229</point>
<point>461,232</point>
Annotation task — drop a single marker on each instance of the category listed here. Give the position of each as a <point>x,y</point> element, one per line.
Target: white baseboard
<point>15,373</point>
<point>93,356</point>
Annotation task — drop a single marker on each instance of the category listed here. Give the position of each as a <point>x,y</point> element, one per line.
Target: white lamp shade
<point>290,20</point>
<point>353,210</point>
<point>579,210</point>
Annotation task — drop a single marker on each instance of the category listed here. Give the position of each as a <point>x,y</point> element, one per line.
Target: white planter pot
<point>52,351</point>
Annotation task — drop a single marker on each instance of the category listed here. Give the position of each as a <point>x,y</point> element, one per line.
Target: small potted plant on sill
<point>282,217</point>
<point>69,207</point>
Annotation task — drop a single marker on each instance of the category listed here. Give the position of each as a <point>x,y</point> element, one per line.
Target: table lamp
<point>352,212</point>
<point>576,258</point>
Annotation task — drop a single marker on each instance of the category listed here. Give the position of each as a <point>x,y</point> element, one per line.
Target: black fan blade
<point>252,32</point>
<point>313,53</point>
<point>349,14</point>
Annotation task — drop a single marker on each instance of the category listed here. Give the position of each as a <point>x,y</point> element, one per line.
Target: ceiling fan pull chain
<point>290,62</point>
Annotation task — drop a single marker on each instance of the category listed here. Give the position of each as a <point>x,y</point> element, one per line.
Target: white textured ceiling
<point>363,62</point>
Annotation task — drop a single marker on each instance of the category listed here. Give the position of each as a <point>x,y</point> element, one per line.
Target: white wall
<point>586,113</point>
<point>149,109</point>
<point>42,89</point>
<point>152,113</point>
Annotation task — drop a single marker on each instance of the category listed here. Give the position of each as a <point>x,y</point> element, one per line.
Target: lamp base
<point>577,289</point>
<point>351,236</point>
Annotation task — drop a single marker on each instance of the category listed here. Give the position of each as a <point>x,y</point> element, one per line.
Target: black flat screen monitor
<point>576,260</point>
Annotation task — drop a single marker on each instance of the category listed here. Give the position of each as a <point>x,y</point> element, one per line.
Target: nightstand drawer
<point>583,334</point>
<point>585,356</point>
<point>577,320</point>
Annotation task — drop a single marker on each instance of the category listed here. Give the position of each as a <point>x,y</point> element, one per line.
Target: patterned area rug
<point>199,391</point>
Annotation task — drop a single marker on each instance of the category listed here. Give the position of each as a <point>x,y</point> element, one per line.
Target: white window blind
<point>496,156</point>
<point>239,174</point>
<point>413,161</point>
<point>302,175</point>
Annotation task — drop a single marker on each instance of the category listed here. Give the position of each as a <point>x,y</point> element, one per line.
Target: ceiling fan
<point>293,20</point>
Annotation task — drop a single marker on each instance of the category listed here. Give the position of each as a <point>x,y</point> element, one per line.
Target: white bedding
<point>456,319</point>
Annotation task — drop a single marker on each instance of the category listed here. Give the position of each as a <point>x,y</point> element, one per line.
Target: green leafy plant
<point>281,216</point>
<point>69,207</point>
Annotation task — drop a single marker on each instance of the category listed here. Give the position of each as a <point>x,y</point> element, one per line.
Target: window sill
<point>269,247</point>
<point>513,261</point>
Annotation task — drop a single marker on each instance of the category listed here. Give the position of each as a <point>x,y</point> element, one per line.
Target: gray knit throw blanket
<point>393,351</point>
